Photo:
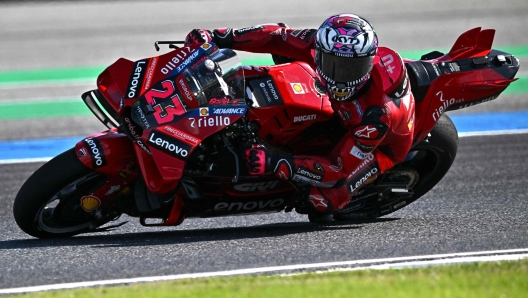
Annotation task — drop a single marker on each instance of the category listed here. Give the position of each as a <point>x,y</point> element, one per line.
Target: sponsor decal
<point>266,92</point>
<point>228,111</point>
<point>113,189</point>
<point>366,132</point>
<point>307,34</point>
<point>90,203</point>
<point>411,121</point>
<point>386,61</point>
<point>338,167</point>
<point>297,88</point>
<point>185,90</point>
<point>445,103</point>
<point>127,170</point>
<point>367,177</point>
<point>478,101</point>
<point>363,147</point>
<point>176,59</point>
<point>245,30</point>
<point>132,128</point>
<point>96,152</point>
<point>358,108</point>
<point>358,153</point>
<point>436,69</point>
<point>453,66</point>
<point>282,32</point>
<point>305,172</point>
<point>344,114</point>
<point>210,121</point>
<point>203,111</point>
<point>370,157</point>
<point>150,72</point>
<point>205,46</point>
<point>81,152</point>
<point>202,59</point>
<point>219,101</point>
<point>138,73</point>
<point>319,203</point>
<point>169,145</point>
<point>296,32</point>
<point>304,118</point>
<point>140,143</point>
<point>187,61</point>
<point>283,169</point>
<point>400,91</point>
<point>141,115</point>
<point>248,206</point>
<point>182,135</point>
<point>261,186</point>
<point>317,166</point>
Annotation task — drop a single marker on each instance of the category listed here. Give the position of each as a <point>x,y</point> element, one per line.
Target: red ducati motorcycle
<point>178,123</point>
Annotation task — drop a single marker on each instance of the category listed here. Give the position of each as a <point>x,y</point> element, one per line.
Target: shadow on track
<point>187,236</point>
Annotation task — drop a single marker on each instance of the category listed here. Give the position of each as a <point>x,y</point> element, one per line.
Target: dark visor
<point>344,69</point>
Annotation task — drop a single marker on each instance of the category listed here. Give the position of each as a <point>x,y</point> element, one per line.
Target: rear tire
<point>434,156</point>
<point>48,204</point>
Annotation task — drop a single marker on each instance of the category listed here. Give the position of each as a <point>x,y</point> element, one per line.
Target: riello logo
<point>445,103</point>
<point>210,121</point>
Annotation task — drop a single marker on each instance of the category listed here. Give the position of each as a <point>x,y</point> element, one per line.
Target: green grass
<point>44,109</point>
<point>501,279</point>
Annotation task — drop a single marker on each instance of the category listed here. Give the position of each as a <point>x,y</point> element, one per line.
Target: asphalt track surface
<point>480,205</point>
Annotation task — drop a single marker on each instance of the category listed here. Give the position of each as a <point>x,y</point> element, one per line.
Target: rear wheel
<point>48,204</point>
<point>431,159</point>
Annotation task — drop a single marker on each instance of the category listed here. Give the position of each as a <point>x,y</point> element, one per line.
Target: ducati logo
<point>81,152</point>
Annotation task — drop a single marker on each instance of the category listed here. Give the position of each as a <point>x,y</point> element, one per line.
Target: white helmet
<point>345,46</point>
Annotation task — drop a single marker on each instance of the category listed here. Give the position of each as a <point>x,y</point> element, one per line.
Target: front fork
<point>114,155</point>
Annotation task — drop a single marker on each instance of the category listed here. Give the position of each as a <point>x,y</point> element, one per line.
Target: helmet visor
<point>344,69</point>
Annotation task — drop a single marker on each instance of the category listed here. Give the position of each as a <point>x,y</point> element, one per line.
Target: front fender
<point>111,154</point>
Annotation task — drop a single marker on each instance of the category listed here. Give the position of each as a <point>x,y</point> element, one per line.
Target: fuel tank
<point>291,107</point>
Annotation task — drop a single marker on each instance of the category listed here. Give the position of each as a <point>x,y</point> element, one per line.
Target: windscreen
<point>217,79</point>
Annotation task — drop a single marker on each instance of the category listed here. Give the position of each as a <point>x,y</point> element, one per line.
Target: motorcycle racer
<point>368,88</point>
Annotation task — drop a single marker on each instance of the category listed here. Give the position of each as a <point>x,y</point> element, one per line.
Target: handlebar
<point>172,44</point>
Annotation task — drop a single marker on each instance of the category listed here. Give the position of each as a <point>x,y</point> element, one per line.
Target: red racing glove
<point>199,36</point>
<point>222,37</point>
<point>261,162</point>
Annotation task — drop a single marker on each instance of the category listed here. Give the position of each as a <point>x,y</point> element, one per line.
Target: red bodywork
<point>459,89</point>
<point>172,131</point>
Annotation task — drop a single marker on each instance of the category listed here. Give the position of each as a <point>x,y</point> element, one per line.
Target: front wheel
<point>48,204</point>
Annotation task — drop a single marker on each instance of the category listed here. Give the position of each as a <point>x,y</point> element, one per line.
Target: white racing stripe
<point>25,160</point>
<point>492,133</point>
<point>388,263</point>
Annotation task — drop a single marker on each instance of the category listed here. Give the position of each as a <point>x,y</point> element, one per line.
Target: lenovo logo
<point>137,77</point>
<point>248,206</point>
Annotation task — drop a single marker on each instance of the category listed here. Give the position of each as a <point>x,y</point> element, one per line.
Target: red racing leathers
<point>379,117</point>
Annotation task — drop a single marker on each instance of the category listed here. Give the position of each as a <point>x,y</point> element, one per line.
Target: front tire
<point>48,204</point>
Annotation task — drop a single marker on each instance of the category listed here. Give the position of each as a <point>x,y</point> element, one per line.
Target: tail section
<point>472,43</point>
